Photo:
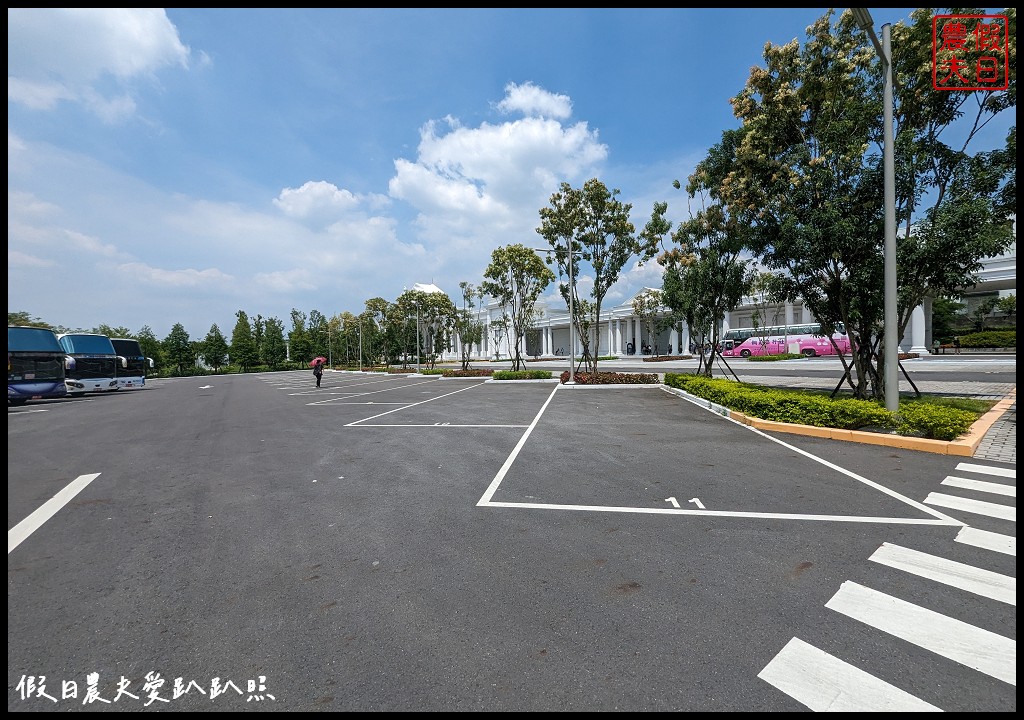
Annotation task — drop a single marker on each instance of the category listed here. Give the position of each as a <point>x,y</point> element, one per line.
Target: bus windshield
<point>87,344</point>
<point>27,339</point>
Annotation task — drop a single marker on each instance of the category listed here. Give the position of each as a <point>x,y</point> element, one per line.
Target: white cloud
<point>286,281</point>
<point>69,54</point>
<point>90,244</point>
<point>320,203</point>
<point>16,258</point>
<point>144,274</point>
<point>488,183</point>
<point>534,101</point>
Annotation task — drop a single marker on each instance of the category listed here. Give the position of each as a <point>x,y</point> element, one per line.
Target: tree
<point>113,332</point>
<point>805,173</point>
<point>274,350</point>
<point>374,324</point>
<point>946,314</point>
<point>151,347</point>
<point>649,306</point>
<point>516,277</point>
<point>243,346</point>
<point>319,334</point>
<point>595,225</point>
<point>259,326</point>
<point>984,309</point>
<point>215,348</point>
<point>705,276</point>
<point>1007,305</point>
<point>437,316</point>
<point>177,347</point>
<point>765,294</point>
<point>299,345</point>
<point>468,330</point>
<point>26,319</point>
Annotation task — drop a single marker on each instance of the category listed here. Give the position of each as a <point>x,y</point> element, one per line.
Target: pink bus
<point>804,339</point>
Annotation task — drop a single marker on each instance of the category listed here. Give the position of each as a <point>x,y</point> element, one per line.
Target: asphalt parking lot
<point>391,542</point>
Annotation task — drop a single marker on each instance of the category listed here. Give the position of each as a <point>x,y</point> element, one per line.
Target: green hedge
<point>522,375</point>
<point>916,418</point>
<point>990,339</point>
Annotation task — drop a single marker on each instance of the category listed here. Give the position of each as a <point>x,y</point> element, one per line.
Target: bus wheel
<point>808,352</point>
<point>745,353</point>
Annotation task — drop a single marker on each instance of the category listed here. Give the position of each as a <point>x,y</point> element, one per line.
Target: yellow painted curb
<point>964,446</point>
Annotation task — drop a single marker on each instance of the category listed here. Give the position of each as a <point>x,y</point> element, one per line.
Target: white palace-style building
<point>620,326</point>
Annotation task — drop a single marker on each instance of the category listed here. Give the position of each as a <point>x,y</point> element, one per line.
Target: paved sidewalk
<point>1000,442</point>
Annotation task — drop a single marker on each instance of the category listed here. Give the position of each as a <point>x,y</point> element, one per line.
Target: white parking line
<point>356,423</point>
<point>21,531</point>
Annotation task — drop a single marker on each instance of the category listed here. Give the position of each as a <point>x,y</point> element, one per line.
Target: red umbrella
<point>320,360</point>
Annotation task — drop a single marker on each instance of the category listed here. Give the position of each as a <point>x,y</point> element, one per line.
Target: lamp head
<point>863,18</point>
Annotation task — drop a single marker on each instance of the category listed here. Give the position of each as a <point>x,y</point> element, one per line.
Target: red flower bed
<point>612,378</point>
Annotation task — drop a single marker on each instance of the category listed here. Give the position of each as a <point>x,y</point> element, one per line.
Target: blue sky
<point>176,166</point>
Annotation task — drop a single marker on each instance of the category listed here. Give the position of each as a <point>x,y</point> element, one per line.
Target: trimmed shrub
<point>471,372</point>
<point>990,339</point>
<point>611,378</point>
<point>522,375</point>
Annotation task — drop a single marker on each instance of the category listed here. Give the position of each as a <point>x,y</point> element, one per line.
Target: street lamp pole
<point>891,337</point>
<point>360,343</point>
<point>417,336</point>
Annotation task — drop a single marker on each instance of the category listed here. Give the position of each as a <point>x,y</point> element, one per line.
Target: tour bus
<point>133,361</point>
<point>35,365</point>
<point>805,339</point>
<point>91,364</point>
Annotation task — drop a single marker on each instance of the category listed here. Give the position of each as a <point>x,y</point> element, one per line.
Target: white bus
<point>91,364</point>
<point>134,362</point>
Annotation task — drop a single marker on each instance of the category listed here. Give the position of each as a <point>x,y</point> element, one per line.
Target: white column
<point>673,339</point>
<point>808,318</point>
<point>789,313</point>
<point>685,341</point>
<point>610,341</point>
<point>929,337</point>
<point>917,331</point>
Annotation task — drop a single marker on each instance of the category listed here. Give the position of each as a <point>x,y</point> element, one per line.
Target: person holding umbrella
<point>318,368</point>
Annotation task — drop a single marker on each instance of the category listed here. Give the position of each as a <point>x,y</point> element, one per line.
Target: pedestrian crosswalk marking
<point>949,572</point>
<point>987,540</point>
<point>825,683</point>
<point>961,642</point>
<point>987,470</point>
<point>981,486</point>
<point>979,507</point>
